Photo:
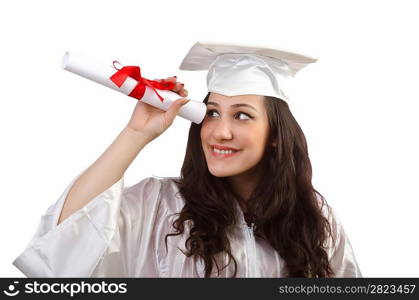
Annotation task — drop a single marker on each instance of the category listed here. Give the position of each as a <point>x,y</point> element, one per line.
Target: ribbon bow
<point>135,73</point>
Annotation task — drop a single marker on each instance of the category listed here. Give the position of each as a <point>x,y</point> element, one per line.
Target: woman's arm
<point>146,124</point>
<point>105,171</point>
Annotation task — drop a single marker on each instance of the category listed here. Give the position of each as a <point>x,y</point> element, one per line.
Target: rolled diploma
<point>100,72</point>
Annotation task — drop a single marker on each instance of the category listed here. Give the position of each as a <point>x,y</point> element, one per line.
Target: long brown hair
<point>285,208</point>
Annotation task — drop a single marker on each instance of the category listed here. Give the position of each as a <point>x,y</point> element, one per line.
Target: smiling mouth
<point>222,153</point>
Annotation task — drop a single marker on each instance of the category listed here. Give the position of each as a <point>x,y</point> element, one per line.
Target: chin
<point>220,174</point>
<point>223,172</point>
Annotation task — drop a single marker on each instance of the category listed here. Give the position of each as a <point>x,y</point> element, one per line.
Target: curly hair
<point>284,206</point>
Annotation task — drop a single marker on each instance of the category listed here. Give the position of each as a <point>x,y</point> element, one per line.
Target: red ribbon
<point>135,73</point>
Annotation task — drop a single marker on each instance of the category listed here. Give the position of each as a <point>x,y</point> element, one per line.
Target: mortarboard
<point>243,69</point>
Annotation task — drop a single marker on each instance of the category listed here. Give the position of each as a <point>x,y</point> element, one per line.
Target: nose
<point>223,130</point>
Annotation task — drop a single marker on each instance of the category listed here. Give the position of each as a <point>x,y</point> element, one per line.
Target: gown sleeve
<point>341,255</point>
<point>98,239</point>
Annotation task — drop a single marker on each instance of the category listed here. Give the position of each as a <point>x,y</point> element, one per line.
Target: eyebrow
<point>234,105</point>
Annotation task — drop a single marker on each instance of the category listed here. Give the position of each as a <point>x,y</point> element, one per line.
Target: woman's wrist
<point>138,134</point>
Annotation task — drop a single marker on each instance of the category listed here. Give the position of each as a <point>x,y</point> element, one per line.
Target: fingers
<point>173,110</point>
<point>180,89</point>
<point>179,86</point>
<point>183,92</point>
<point>171,78</point>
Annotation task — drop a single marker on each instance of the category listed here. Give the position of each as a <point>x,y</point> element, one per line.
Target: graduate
<point>243,206</point>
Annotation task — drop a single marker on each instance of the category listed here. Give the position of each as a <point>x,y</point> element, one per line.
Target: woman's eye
<point>209,113</point>
<point>244,114</point>
<point>237,115</point>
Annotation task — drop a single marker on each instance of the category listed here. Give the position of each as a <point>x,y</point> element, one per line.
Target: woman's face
<point>239,123</point>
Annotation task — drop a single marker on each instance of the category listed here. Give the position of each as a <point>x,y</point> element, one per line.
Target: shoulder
<point>338,247</point>
<point>328,212</point>
<point>337,234</point>
<point>154,191</point>
<point>170,195</point>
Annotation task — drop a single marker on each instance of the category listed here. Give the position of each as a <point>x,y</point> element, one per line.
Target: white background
<point>357,105</point>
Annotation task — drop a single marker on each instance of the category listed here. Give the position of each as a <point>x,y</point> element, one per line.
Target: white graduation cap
<point>242,69</point>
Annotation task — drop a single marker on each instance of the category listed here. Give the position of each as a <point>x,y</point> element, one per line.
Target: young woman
<point>244,205</point>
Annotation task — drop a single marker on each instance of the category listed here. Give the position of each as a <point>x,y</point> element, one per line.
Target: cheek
<point>253,147</point>
<point>204,132</point>
<point>255,138</point>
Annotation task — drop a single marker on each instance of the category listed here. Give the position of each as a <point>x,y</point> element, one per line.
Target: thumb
<point>174,109</point>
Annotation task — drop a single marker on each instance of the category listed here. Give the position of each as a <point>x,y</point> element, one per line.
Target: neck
<point>243,185</point>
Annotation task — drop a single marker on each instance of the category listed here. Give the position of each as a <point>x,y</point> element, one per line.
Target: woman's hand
<point>152,121</point>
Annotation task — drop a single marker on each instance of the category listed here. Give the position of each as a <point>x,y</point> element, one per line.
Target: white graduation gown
<point>120,233</point>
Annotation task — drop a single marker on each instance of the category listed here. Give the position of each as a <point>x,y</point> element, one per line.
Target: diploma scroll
<point>101,72</point>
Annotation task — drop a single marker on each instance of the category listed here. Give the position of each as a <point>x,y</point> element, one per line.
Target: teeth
<point>223,151</point>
